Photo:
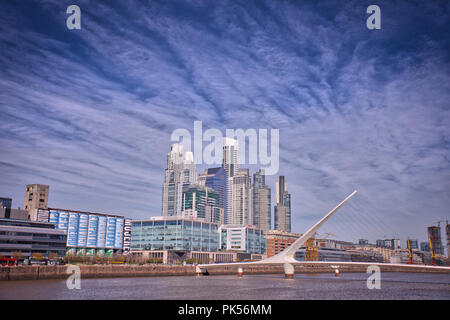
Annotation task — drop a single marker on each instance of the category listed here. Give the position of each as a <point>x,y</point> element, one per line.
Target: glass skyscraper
<point>201,202</point>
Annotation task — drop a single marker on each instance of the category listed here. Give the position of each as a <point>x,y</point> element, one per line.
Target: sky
<point>90,112</point>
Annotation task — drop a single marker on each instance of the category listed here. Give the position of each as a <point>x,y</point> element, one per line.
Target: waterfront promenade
<point>155,270</point>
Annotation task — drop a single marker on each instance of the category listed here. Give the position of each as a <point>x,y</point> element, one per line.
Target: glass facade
<point>174,234</point>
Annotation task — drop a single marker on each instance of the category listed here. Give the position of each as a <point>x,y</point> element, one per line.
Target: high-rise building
<point>242,198</point>
<point>36,197</point>
<point>434,235</point>
<point>180,173</point>
<point>282,210</point>
<point>201,203</point>
<point>216,179</point>
<point>230,163</point>
<point>261,201</point>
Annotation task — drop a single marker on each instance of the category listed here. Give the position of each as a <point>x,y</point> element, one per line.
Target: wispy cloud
<point>90,112</point>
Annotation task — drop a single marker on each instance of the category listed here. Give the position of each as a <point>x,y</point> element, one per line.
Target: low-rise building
<point>22,238</point>
<point>88,233</point>
<point>240,238</point>
<point>174,233</point>
<point>278,240</point>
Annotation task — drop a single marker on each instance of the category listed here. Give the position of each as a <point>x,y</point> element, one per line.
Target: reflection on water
<point>266,287</point>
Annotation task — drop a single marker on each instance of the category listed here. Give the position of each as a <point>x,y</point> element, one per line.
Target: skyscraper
<point>216,179</point>
<point>230,163</point>
<point>180,173</point>
<point>36,197</point>
<point>242,203</point>
<point>261,201</point>
<point>282,210</point>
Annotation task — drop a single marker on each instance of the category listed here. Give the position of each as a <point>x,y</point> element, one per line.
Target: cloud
<point>90,111</point>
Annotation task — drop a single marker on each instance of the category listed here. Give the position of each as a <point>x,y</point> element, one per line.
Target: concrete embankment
<point>112,271</point>
<point>93,271</point>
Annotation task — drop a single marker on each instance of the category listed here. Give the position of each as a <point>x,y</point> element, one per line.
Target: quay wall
<point>155,270</point>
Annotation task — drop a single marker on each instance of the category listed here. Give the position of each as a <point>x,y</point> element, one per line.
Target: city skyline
<point>90,112</point>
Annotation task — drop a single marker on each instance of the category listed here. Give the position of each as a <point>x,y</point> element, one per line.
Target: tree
<point>17,255</point>
<point>37,256</point>
<point>53,256</point>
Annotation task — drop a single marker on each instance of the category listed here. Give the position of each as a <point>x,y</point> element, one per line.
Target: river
<point>262,287</point>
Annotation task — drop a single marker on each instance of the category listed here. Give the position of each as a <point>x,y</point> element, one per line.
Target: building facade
<point>201,203</point>
<point>88,233</point>
<point>261,202</point>
<point>216,179</point>
<point>242,198</point>
<point>174,233</point>
<point>240,238</point>
<point>36,197</point>
<point>179,174</point>
<point>21,239</point>
<point>282,209</point>
<point>230,163</point>
<point>278,240</point>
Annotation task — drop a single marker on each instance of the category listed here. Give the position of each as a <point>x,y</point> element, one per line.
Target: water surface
<point>394,285</point>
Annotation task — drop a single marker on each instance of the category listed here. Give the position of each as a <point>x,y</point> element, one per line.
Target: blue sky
<point>90,112</point>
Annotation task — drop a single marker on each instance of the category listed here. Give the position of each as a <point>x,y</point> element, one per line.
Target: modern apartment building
<point>230,163</point>
<point>179,174</point>
<point>282,210</point>
<point>242,198</point>
<point>261,201</point>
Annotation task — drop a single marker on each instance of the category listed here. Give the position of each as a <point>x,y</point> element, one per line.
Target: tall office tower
<point>282,210</point>
<point>36,197</point>
<point>434,234</point>
<point>180,173</point>
<point>216,179</point>
<point>230,163</point>
<point>261,201</point>
<point>242,202</point>
<point>200,202</point>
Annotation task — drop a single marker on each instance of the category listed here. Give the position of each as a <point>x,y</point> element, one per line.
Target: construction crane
<point>433,256</point>
<point>311,251</point>
<point>410,255</point>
